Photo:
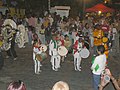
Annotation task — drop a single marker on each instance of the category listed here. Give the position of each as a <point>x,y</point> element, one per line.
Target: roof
<point>99,7</point>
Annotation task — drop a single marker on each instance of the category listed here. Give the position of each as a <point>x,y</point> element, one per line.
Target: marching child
<point>55,58</point>
<point>76,51</point>
<point>36,50</point>
<point>98,66</point>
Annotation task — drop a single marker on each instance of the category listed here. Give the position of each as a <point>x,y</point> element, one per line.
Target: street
<point>23,69</point>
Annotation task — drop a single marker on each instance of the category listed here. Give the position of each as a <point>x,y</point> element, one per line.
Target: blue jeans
<point>96,81</point>
<point>95,50</point>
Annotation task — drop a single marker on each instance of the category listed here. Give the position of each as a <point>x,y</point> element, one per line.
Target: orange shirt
<point>98,34</point>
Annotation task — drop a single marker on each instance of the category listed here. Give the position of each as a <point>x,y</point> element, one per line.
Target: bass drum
<point>84,53</point>
<point>41,57</point>
<point>62,51</point>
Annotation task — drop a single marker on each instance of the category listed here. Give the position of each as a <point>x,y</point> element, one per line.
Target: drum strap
<point>55,43</point>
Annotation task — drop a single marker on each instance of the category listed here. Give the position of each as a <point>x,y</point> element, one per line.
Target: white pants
<point>22,42</point>
<point>37,65</point>
<point>55,61</point>
<point>77,61</point>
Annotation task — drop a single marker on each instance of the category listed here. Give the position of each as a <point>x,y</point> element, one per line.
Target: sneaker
<point>23,47</point>
<point>15,59</point>
<point>79,69</point>
<point>40,65</point>
<point>53,68</point>
<point>7,57</point>
<point>56,70</point>
<point>75,69</point>
<point>37,73</point>
<point>40,71</point>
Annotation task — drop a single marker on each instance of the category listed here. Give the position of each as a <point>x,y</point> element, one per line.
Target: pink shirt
<point>31,21</point>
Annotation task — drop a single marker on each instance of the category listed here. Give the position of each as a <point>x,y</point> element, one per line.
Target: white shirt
<point>101,61</point>
<point>52,49</point>
<point>36,51</point>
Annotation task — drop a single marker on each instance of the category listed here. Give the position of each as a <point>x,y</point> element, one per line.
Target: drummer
<point>60,42</point>
<point>76,51</point>
<point>37,63</point>
<point>55,58</point>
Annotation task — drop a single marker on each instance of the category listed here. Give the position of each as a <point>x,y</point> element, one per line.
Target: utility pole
<point>49,5</point>
<point>84,6</point>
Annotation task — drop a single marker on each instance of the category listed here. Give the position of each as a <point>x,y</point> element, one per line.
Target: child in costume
<point>55,58</point>
<point>36,50</point>
<point>76,50</point>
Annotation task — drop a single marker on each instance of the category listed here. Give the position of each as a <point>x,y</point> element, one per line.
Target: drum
<point>62,51</point>
<point>84,53</point>
<point>104,39</point>
<point>41,56</point>
<point>43,47</point>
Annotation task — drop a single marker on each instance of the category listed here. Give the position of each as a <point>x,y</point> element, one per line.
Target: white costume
<point>36,62</point>
<point>26,35</point>
<point>55,58</point>
<point>21,28</point>
<point>77,57</point>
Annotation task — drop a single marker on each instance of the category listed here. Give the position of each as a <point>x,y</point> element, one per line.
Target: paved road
<point>22,69</point>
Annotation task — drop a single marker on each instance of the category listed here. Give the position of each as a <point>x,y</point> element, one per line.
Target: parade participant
<point>55,58</point>
<point>76,51</point>
<point>97,35</point>
<point>98,66</point>
<point>11,51</point>
<point>16,85</point>
<point>60,42</point>
<point>60,86</point>
<point>36,50</point>
<point>21,29</point>
<point>9,34</point>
